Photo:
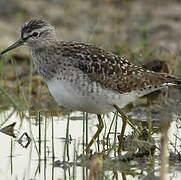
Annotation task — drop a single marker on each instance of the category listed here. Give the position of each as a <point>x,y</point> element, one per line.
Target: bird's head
<point>35,33</point>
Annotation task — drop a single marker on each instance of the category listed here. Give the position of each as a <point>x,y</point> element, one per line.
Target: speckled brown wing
<point>127,77</point>
<point>114,72</point>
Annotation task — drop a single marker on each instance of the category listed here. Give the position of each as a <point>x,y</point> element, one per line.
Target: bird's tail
<point>170,80</point>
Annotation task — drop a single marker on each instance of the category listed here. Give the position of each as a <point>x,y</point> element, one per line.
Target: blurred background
<point>122,26</point>
<point>147,32</point>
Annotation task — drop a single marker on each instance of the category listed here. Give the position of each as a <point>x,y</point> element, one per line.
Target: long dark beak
<point>13,46</point>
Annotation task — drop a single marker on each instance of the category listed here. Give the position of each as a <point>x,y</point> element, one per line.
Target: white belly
<point>66,95</point>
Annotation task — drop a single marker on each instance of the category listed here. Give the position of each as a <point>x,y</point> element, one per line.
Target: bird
<point>84,77</point>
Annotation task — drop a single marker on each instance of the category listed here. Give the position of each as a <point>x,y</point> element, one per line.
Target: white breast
<point>68,96</point>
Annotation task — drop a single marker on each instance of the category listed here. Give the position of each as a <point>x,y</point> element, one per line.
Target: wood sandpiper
<point>86,78</point>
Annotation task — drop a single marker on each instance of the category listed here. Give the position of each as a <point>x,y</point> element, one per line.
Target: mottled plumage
<point>87,78</point>
<point>84,77</point>
<point>110,70</point>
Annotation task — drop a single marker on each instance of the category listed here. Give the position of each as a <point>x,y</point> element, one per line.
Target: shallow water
<point>26,163</point>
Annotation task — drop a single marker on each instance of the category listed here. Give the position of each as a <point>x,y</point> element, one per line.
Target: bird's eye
<point>35,34</point>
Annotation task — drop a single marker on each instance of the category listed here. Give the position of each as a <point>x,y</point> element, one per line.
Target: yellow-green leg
<point>125,119</point>
<point>100,127</point>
